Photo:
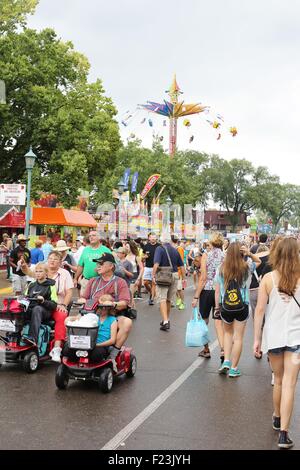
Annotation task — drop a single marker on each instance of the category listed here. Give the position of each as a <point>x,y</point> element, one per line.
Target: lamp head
<point>30,159</point>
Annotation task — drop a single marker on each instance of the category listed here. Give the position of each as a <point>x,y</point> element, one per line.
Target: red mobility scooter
<point>83,339</point>
<point>13,325</point>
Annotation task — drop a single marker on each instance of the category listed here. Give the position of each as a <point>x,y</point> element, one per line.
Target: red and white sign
<point>13,194</point>
<point>149,185</point>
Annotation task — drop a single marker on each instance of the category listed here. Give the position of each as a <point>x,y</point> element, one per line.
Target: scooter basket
<point>82,337</point>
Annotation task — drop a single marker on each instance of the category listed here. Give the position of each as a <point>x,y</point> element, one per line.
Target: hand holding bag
<point>196,331</point>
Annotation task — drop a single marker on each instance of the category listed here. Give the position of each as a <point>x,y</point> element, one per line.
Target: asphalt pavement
<point>175,401</point>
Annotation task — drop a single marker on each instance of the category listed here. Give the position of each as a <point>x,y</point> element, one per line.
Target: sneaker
<point>139,297</point>
<point>172,304</point>
<point>276,422</point>
<point>164,326</point>
<point>234,373</point>
<point>151,302</point>
<point>225,367</point>
<point>55,354</point>
<point>273,379</point>
<point>181,306</point>
<point>178,302</point>
<point>284,442</point>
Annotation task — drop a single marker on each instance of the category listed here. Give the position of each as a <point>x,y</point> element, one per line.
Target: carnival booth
<point>59,222</point>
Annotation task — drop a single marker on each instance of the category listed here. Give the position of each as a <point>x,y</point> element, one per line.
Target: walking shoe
<point>138,297</point>
<point>284,442</point>
<point>234,373</point>
<point>178,302</point>
<point>276,422</point>
<point>225,367</point>
<point>164,326</point>
<point>151,301</point>
<point>55,354</point>
<point>205,353</point>
<point>181,306</point>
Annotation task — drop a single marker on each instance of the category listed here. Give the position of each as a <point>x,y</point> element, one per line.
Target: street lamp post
<point>30,160</point>
<point>121,188</point>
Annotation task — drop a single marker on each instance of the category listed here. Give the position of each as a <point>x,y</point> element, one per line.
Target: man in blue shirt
<point>37,254</point>
<point>166,294</point>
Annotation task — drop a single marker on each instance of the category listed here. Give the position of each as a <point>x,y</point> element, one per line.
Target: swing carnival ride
<point>173,110</point>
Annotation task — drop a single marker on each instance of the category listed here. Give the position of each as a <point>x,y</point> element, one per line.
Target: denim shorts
<point>294,349</point>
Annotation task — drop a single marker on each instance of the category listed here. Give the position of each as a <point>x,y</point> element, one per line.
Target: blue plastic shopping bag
<point>196,331</point>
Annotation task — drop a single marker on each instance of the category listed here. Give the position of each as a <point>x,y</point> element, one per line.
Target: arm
<point>77,274</point>
<point>263,296</point>
<point>217,296</point>
<point>113,335</point>
<point>155,267</point>
<point>202,280</point>
<point>141,270</point>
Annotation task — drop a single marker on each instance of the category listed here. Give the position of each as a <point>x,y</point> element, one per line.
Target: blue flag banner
<point>134,182</point>
<point>126,177</point>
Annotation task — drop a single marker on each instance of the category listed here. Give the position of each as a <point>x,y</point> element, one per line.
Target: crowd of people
<point>232,279</point>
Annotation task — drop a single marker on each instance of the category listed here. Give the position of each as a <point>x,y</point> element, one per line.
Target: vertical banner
<point>134,182</point>
<point>126,177</point>
<point>152,180</point>
<point>199,222</point>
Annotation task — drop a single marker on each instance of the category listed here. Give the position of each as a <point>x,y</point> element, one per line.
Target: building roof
<point>59,216</point>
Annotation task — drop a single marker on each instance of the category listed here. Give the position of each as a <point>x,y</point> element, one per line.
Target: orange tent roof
<point>58,216</point>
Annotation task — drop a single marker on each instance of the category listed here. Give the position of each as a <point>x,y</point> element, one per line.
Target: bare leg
<point>290,374</point>
<point>220,333</point>
<point>238,336</point>
<point>228,340</point>
<point>276,361</point>
<point>124,327</point>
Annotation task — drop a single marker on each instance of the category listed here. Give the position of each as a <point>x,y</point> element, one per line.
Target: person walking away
<point>138,268</point>
<point>86,265</point>
<point>167,256</point>
<point>279,301</point>
<point>232,284</point>
<point>180,284</point>
<point>262,240</point>
<point>149,252</point>
<point>205,293</point>
<point>47,248</point>
<point>37,255</point>
<point>7,247</point>
<point>19,255</point>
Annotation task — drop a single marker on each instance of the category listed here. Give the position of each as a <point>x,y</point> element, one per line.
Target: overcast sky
<point>239,57</point>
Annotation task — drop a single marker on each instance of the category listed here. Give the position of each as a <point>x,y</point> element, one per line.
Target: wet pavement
<point>207,411</point>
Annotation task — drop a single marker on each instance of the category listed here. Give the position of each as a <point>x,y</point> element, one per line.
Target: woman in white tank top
<point>279,300</point>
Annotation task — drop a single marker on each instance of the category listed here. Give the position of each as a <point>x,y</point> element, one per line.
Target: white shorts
<point>147,276</point>
<point>19,283</point>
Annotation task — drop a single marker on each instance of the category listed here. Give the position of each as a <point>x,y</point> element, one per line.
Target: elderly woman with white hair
<point>166,256</point>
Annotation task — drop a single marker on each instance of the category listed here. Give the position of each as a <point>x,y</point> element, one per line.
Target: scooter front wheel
<point>61,377</point>
<point>106,380</point>
<point>30,362</point>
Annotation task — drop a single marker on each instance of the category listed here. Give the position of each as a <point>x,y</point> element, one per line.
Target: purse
<point>196,331</point>
<point>164,274</point>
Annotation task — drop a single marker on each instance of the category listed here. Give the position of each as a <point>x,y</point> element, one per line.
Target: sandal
<point>259,355</point>
<point>205,353</point>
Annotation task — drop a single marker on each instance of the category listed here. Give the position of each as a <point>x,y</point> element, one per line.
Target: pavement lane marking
<point>124,434</point>
<point>6,290</point>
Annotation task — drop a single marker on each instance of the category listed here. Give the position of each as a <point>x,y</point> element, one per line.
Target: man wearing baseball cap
<point>107,283</point>
<point>19,279</point>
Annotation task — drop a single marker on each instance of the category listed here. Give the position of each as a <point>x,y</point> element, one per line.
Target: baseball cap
<point>105,257</point>
<point>80,238</point>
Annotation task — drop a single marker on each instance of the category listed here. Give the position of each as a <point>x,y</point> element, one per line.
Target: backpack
<point>12,306</point>
<point>43,340</point>
<point>233,300</point>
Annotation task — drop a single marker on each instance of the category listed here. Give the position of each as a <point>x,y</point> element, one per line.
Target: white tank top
<point>282,320</point>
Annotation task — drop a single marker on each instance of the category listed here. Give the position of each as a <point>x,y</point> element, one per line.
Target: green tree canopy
<point>51,105</point>
<point>13,13</point>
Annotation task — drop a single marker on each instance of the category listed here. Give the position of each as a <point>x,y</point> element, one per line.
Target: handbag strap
<point>296,300</point>
<point>170,262</point>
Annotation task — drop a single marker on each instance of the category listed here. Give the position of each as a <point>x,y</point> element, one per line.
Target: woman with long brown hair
<point>232,296</point>
<point>279,301</point>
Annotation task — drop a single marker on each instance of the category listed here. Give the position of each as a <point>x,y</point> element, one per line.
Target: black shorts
<point>229,317</point>
<point>206,303</point>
